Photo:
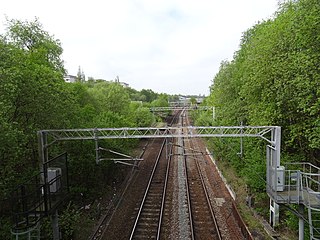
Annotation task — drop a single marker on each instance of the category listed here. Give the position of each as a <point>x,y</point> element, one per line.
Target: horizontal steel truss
<point>160,109</point>
<point>165,132</point>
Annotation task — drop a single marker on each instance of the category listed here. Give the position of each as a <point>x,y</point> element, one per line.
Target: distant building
<point>200,99</point>
<point>70,78</point>
<point>123,84</point>
<point>184,100</point>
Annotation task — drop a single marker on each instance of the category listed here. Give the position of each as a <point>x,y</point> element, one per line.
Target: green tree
<point>80,75</point>
<point>161,101</point>
<point>273,79</point>
<point>149,95</point>
<point>32,98</point>
<point>142,117</point>
<point>30,87</point>
<point>111,97</point>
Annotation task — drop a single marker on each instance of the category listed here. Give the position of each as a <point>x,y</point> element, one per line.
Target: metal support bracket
<point>118,160</point>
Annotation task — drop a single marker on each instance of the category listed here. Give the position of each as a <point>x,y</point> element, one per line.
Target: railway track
<point>171,197</point>
<point>203,223</point>
<point>153,196</point>
<point>112,207</point>
<point>148,221</point>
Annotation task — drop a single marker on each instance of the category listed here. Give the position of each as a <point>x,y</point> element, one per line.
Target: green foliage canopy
<point>274,79</point>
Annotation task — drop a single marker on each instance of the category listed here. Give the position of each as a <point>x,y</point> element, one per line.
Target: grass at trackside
<point>239,187</point>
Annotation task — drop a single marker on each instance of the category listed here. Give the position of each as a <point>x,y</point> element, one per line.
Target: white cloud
<point>172,46</point>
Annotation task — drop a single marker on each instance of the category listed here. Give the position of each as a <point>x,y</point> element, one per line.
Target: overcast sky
<point>171,46</point>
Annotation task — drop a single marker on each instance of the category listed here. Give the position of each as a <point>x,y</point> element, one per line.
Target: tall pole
<point>96,145</point>
<point>43,155</point>
<point>277,144</point>
<point>301,222</point>
<point>212,113</point>
<point>241,141</point>
<point>55,225</point>
<point>274,165</point>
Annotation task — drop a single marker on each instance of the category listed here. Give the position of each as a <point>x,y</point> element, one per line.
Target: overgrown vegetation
<point>34,96</point>
<point>273,80</point>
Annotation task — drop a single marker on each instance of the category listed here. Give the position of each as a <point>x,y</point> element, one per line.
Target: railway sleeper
<point>149,219</point>
<point>155,194</point>
<point>145,213</point>
<point>152,210</point>
<point>149,216</point>
<point>143,225</point>
<point>151,204</point>
<point>195,180</point>
<point>202,212</point>
<point>154,203</point>
<point>202,222</point>
<point>155,191</point>
<point>157,181</point>
<point>204,228</point>
<point>197,203</point>
<point>141,236</point>
<point>153,200</point>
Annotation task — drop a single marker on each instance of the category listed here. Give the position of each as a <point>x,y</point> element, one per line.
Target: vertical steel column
<point>213,113</point>
<point>274,213</point>
<point>274,158</point>
<point>277,144</point>
<point>55,226</point>
<point>43,151</point>
<point>241,140</point>
<point>301,222</point>
<point>96,145</point>
<point>44,157</point>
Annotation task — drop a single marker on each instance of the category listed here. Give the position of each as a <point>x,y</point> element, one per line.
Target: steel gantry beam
<point>160,109</point>
<point>271,134</point>
<point>164,132</point>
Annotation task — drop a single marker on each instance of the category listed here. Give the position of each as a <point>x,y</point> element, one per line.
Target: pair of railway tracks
<point>176,203</point>
<point>150,221</point>
<point>146,215</point>
<point>203,222</point>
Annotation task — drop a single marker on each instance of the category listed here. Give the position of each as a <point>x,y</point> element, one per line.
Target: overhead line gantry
<point>283,186</point>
